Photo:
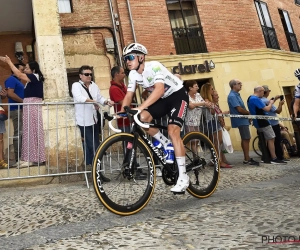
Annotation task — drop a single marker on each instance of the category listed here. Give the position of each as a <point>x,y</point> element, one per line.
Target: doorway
<point>202,81</point>
<point>288,96</point>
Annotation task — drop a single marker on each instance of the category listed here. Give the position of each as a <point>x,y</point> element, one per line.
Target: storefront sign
<point>192,69</point>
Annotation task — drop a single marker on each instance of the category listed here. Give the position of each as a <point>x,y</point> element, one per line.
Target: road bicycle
<point>122,155</point>
<point>256,145</point>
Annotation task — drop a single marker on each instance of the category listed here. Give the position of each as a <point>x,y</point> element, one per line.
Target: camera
<point>281,98</point>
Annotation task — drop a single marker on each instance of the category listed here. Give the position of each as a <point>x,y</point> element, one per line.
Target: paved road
<point>251,207</point>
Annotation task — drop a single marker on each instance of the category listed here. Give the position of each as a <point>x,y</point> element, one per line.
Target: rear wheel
<point>127,192</point>
<point>257,146</point>
<point>202,164</point>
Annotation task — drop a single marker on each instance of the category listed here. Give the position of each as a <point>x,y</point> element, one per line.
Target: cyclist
<point>168,97</point>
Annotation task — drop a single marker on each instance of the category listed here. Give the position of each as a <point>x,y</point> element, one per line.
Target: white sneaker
<point>18,163</point>
<point>25,164</point>
<point>182,183</point>
<point>158,172</point>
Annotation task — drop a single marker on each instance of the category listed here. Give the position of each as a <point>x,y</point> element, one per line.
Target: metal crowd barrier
<point>63,142</point>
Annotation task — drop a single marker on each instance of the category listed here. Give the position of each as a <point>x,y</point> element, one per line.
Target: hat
<point>266,88</point>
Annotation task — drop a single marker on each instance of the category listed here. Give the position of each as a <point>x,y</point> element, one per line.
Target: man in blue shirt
<point>257,107</point>
<point>237,107</point>
<point>274,123</point>
<point>15,93</point>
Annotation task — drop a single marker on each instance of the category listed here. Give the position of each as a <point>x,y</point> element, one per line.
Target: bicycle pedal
<point>178,193</point>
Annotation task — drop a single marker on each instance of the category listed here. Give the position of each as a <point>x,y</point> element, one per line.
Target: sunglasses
<point>87,74</point>
<point>129,58</point>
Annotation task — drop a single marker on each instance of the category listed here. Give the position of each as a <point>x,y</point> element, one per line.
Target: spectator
<point>257,107</point>
<point>15,93</point>
<point>85,90</point>
<point>221,120</point>
<point>237,107</point>
<point>286,134</point>
<point>214,128</point>
<point>296,101</point>
<point>117,92</point>
<point>33,145</point>
<point>3,164</point>
<point>274,123</point>
<point>194,113</point>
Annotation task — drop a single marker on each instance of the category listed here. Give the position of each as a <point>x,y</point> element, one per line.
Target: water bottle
<point>170,152</point>
<point>158,145</point>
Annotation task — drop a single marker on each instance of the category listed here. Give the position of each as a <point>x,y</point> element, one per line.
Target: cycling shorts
<point>175,106</point>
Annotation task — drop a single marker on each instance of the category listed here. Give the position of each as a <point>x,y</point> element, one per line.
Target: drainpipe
<point>131,21</point>
<point>115,31</point>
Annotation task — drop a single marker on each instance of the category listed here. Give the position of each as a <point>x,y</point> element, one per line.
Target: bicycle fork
<point>130,156</point>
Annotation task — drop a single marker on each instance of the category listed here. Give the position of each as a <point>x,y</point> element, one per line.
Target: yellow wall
<point>274,68</point>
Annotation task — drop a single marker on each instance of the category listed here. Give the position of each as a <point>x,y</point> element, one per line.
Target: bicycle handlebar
<point>135,114</point>
<point>110,119</point>
<point>143,125</point>
<point>128,110</point>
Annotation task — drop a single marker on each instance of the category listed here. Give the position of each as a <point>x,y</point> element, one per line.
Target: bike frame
<point>139,133</point>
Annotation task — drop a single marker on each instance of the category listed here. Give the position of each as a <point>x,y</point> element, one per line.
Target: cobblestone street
<point>251,206</point>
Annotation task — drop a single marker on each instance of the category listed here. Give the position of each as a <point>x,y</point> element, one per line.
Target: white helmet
<point>297,72</point>
<point>135,48</point>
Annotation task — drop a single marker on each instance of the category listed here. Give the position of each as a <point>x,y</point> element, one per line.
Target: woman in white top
<point>194,112</point>
<point>196,102</point>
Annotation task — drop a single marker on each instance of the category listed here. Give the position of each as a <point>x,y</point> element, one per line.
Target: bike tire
<point>121,195</point>
<point>200,153</point>
<point>256,146</point>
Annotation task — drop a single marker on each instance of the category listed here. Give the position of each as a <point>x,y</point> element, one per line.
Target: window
<point>289,32</point>
<point>64,6</point>
<point>266,25</point>
<point>186,28</point>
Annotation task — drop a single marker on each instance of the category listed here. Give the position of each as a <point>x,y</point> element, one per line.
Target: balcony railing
<point>189,40</point>
<point>270,37</point>
<point>292,41</point>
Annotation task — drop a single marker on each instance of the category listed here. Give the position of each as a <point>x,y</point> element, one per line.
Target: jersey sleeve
<point>131,82</point>
<point>157,69</point>
<point>297,91</point>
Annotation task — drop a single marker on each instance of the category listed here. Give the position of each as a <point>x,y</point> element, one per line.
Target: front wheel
<point>202,164</point>
<point>128,191</point>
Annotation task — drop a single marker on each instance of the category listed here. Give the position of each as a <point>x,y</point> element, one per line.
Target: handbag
<point>101,121</point>
<point>3,114</point>
<point>227,145</point>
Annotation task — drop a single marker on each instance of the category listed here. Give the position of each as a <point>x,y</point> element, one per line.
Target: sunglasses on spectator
<point>129,58</point>
<point>87,74</point>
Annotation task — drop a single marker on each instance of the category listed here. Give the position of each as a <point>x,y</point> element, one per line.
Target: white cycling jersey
<point>154,72</point>
<point>297,91</point>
